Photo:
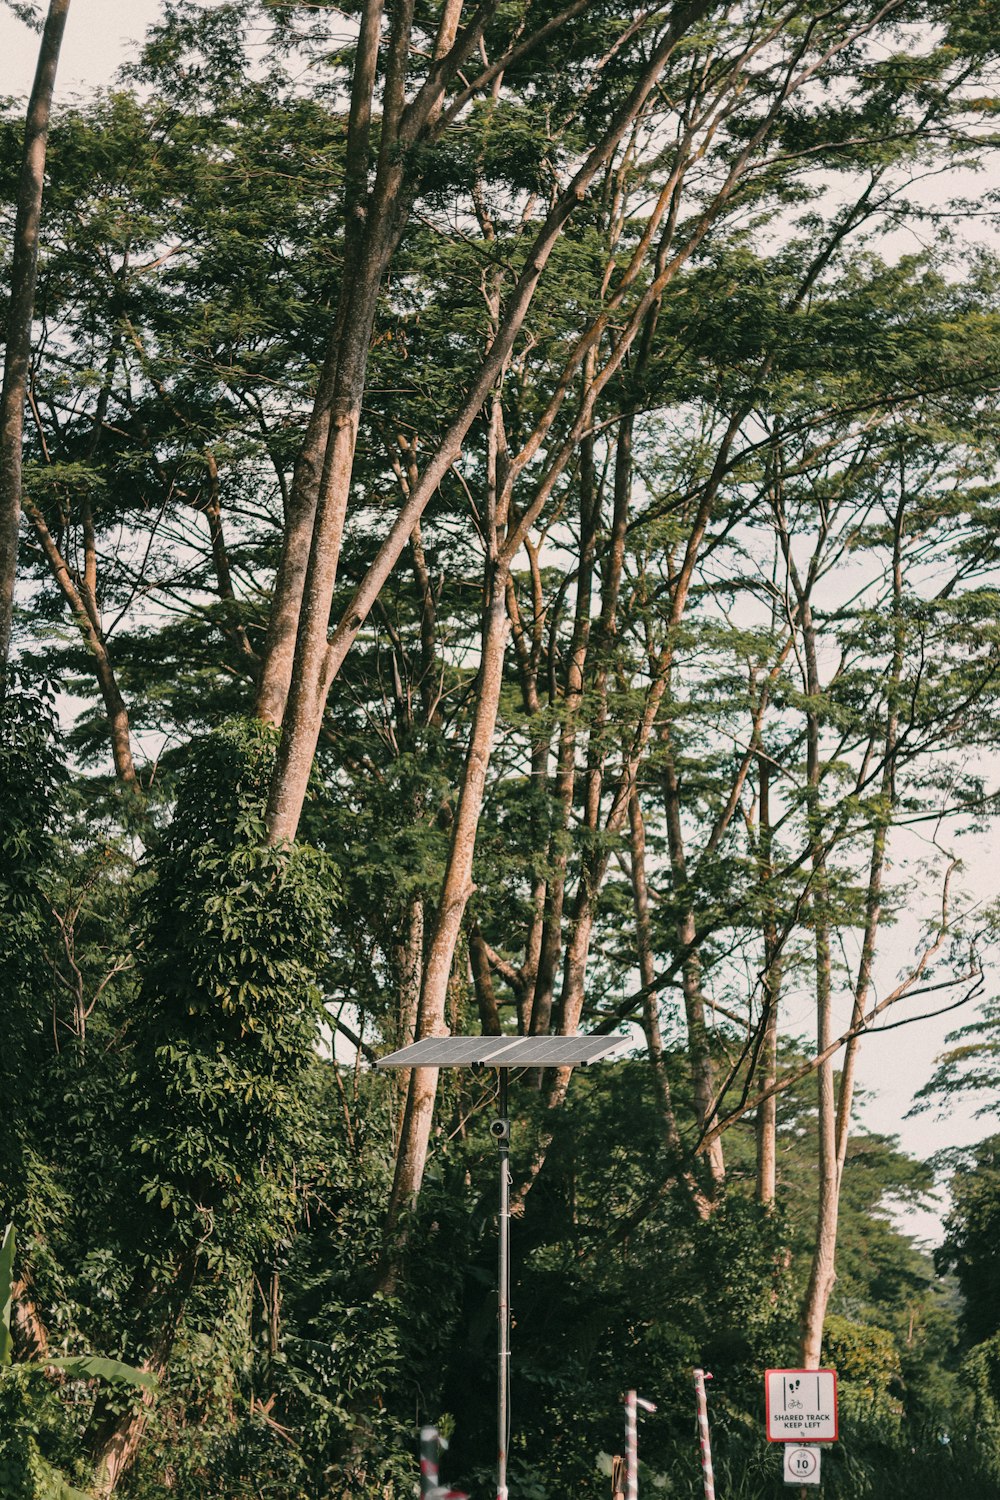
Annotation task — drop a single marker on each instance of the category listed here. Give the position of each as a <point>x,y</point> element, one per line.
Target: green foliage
<point>197,1177</point>
<point>868,1369</point>
<point>233,943</point>
<point>30,1411</point>
<point>971,1247</point>
<point>969,1066</point>
<point>31,1424</point>
<point>981,1375</point>
<point>30,776</point>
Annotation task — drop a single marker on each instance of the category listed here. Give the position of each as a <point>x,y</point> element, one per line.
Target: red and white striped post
<point>704,1439</point>
<point>431,1488</point>
<point>430,1448</point>
<point>631,1447</point>
<point>632,1403</point>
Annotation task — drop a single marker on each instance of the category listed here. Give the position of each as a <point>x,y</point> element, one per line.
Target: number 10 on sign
<point>802,1465</point>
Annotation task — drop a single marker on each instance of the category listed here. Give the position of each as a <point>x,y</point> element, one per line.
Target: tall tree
<point>23,275</point>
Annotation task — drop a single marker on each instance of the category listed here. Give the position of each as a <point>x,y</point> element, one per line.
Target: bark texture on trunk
<point>647,975</point>
<point>290,582</point>
<point>294,658</point>
<point>767,1065</point>
<point>835,1114</point>
<point>120,1449</point>
<point>24,273</point>
<point>823,1272</point>
<point>565,775</point>
<point>27,1324</point>
<point>120,1433</point>
<point>650,1009</point>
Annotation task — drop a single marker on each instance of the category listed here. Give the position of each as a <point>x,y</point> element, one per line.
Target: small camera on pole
<point>500,1131</point>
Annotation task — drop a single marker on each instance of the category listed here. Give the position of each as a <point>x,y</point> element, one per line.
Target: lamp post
<point>501,1133</point>
<point>502,1053</point>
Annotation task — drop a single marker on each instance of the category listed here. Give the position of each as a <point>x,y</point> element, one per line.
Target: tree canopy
<point>507,543</point>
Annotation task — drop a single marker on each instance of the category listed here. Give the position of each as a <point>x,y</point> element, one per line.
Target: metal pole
<point>501,1129</point>
<point>703,1434</point>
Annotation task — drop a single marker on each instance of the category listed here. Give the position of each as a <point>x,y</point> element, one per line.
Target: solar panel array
<point>502,1051</point>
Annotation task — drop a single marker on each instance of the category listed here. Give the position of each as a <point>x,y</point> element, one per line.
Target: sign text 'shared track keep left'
<point>801,1406</point>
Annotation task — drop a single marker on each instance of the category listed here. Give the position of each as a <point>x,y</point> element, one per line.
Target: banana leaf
<point>92,1367</point>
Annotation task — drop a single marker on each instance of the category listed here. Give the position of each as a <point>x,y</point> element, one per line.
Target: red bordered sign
<point>801,1406</point>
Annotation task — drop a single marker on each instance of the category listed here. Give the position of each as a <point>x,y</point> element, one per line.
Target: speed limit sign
<point>802,1465</point>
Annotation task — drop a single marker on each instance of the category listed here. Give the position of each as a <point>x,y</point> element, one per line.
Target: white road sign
<point>802,1465</point>
<point>801,1405</point>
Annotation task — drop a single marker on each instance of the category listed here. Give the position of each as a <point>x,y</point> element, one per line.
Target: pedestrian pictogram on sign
<point>802,1465</point>
<point>801,1405</point>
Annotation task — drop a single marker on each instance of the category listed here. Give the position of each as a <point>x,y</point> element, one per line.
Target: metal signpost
<point>503,1053</point>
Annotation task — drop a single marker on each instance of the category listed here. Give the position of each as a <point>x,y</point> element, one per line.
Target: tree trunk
<point>409,961</point>
<point>120,1433</point>
<point>26,1321</point>
<point>835,1116</point>
<point>699,1048</point>
<point>119,1451</point>
<point>23,276</point>
<point>578,947</point>
<point>767,1066</point>
<point>528,655</point>
<point>823,1272</point>
<point>647,975</point>
<point>411,1156</point>
<point>290,581</point>
<point>235,632</point>
<point>650,1009</point>
<point>565,776</point>
<point>294,652</point>
<point>482,980</point>
<point>585,903</point>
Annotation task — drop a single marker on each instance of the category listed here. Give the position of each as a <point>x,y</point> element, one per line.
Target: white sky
<point>100,35</point>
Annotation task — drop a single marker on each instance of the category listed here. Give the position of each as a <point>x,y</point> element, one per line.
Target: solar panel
<point>502,1051</point>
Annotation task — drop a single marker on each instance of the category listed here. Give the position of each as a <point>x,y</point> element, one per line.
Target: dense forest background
<point>498,533</point>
